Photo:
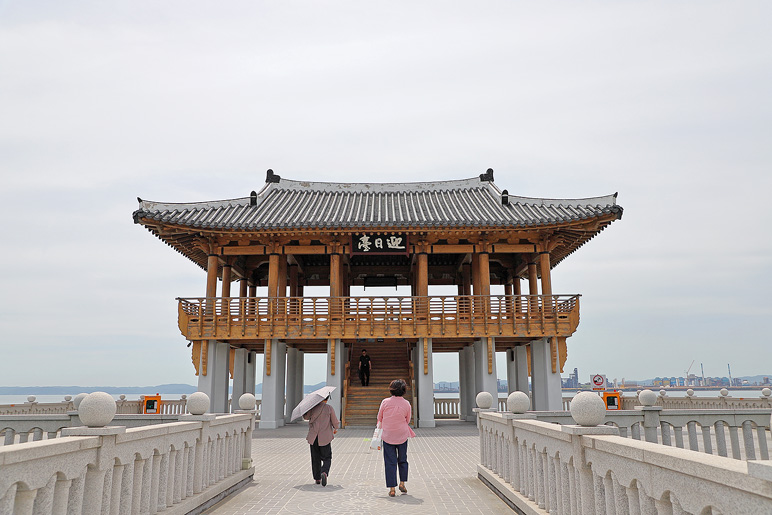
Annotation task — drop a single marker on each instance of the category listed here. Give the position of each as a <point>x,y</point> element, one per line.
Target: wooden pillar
<point>466,277</point>
<point>211,283</point>
<point>226,280</point>
<point>546,281</point>
<point>533,287</point>
<point>485,274</point>
<point>293,280</point>
<point>211,275</point>
<point>518,292</point>
<point>243,289</point>
<point>274,269</point>
<point>422,282</point>
<point>226,288</point>
<point>422,285</point>
<point>335,286</point>
<point>282,286</point>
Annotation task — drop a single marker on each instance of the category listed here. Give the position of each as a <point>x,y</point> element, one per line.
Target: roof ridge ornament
<point>272,177</point>
<point>253,198</point>
<point>487,176</point>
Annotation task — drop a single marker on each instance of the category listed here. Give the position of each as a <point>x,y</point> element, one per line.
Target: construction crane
<point>687,373</point>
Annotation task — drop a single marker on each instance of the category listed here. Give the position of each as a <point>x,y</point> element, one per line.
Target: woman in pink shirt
<point>394,417</point>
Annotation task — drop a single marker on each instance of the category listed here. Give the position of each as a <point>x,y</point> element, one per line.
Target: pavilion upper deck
<point>465,316</point>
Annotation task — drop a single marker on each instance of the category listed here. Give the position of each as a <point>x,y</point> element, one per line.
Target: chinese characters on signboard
<point>368,243</point>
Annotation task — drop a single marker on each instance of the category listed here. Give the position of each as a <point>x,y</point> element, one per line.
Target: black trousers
<point>364,376</point>
<point>321,456</point>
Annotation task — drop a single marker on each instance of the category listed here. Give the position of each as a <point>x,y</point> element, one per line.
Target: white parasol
<point>311,400</point>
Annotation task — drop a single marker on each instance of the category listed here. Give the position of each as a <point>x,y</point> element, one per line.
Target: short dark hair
<point>364,350</point>
<point>398,387</point>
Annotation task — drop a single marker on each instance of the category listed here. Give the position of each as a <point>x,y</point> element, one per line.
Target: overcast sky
<point>667,103</point>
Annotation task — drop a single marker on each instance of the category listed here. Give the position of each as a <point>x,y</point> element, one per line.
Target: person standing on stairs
<point>365,365</point>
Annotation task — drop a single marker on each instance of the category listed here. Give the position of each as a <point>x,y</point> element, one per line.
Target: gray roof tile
<point>289,204</point>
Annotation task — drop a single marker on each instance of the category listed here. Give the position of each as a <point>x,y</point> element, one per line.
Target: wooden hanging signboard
<point>379,243</point>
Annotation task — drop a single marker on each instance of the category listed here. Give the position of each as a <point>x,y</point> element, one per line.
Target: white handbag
<point>375,441</point>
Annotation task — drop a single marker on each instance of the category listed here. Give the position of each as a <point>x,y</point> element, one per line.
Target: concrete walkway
<point>443,476</point>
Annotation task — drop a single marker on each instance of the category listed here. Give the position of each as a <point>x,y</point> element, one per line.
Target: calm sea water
<point>747,394</point>
<point>21,399</point>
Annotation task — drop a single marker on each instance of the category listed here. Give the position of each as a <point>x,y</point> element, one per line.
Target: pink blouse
<point>394,417</point>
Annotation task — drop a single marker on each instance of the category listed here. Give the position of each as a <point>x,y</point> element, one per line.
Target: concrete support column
<point>511,371</point>
<point>272,404</point>
<point>299,371</point>
<point>470,391</point>
<point>462,385</point>
<point>239,377</point>
<point>250,373</point>
<point>426,382</point>
<point>292,394</point>
<point>335,368</point>
<point>521,363</point>
<point>215,382</point>
<point>546,385</point>
<point>485,381</point>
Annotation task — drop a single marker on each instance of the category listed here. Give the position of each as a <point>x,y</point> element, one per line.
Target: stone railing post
<point>197,405</point>
<point>96,410</point>
<point>248,405</point>
<point>651,421</point>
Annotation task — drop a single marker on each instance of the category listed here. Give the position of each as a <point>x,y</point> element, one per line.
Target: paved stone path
<point>443,476</point>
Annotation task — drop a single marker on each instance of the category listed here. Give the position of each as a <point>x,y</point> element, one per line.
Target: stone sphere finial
<point>31,398</point>
<point>198,403</point>
<point>484,400</point>
<point>183,396</point>
<point>247,401</point>
<point>724,392</point>
<point>647,398</point>
<point>662,393</point>
<point>97,409</point>
<point>588,409</point>
<point>77,400</point>
<point>690,392</point>
<point>518,402</point>
<point>122,397</point>
<point>766,392</point>
<point>67,398</point>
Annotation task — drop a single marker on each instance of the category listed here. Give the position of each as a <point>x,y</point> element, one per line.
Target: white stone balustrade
<point>173,467</point>
<point>541,467</point>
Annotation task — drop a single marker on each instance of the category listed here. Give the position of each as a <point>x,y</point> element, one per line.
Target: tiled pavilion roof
<point>299,205</point>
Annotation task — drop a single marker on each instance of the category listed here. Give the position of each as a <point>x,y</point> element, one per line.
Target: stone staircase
<point>389,362</point>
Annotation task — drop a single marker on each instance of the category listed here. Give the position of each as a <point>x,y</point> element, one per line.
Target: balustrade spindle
<point>763,448</point>
<point>692,431</point>
<point>735,441</point>
<point>552,484</point>
<point>750,451</point>
<point>127,488</point>
<point>706,442</point>
<point>136,495</point>
<point>147,485</point>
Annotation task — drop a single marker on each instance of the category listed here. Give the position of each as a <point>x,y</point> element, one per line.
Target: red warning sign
<point>598,382</point>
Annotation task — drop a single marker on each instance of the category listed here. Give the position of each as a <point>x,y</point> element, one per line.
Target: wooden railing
<point>353,317</point>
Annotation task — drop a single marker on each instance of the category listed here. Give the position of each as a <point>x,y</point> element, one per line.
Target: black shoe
<point>318,481</point>
<point>324,479</point>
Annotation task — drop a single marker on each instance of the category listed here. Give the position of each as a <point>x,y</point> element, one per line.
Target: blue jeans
<point>395,456</point>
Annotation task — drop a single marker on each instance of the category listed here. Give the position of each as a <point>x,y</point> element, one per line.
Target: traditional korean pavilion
<point>426,235</point>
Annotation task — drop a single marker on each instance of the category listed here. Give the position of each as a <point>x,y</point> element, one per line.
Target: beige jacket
<point>321,422</point>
